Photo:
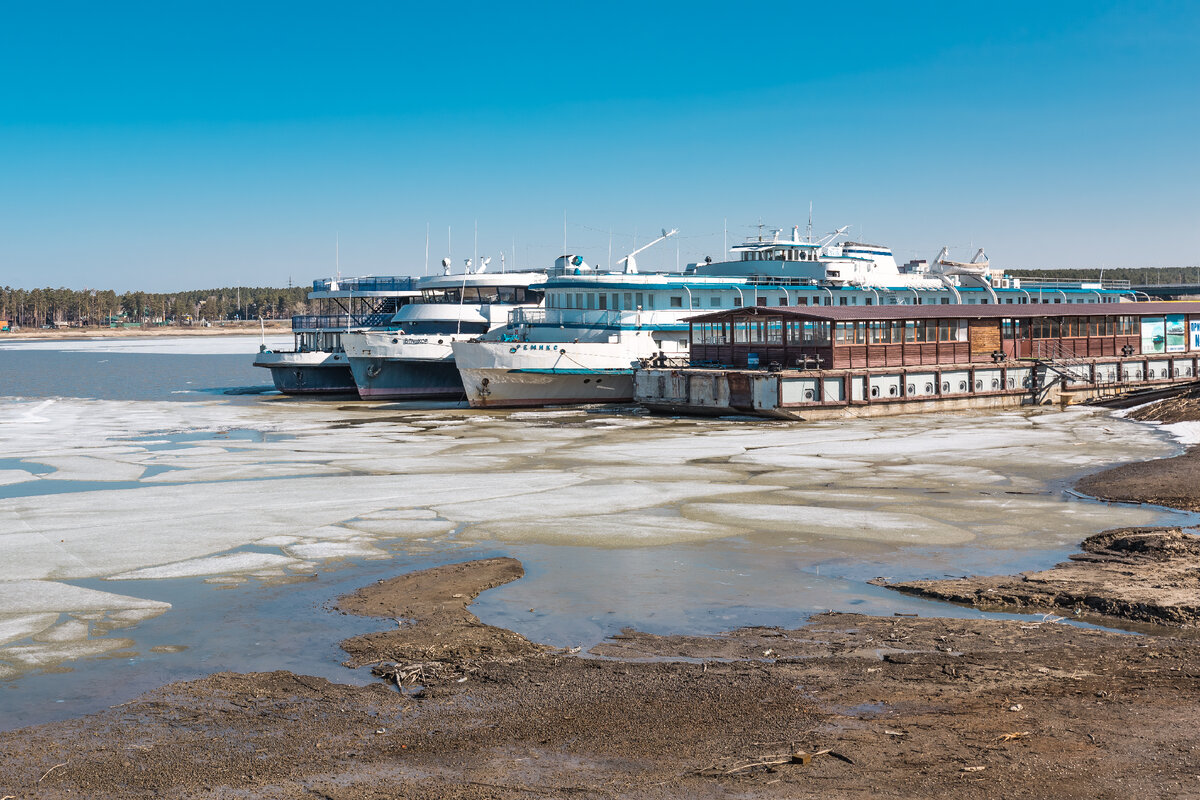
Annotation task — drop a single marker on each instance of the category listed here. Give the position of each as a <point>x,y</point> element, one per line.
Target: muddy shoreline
<point>851,705</point>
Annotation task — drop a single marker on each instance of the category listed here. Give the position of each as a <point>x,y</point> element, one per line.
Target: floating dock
<point>811,363</point>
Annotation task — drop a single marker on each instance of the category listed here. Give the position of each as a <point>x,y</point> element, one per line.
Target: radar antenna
<point>829,237</point>
<point>631,262</point>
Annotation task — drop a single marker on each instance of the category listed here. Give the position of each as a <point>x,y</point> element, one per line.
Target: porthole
<point>1162,373</point>
<point>962,386</point>
<point>945,386</point>
<point>912,388</point>
<point>995,383</point>
<point>587,380</point>
<point>597,380</point>
<point>1012,383</point>
<point>1138,374</point>
<point>929,388</point>
<point>874,391</point>
<point>395,341</point>
<point>892,390</point>
<point>808,394</point>
<point>439,341</point>
<point>978,385</point>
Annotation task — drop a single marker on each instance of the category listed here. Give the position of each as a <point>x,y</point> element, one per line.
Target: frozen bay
<point>168,529</point>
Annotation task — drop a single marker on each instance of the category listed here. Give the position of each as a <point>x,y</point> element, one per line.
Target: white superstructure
<point>412,357</point>
<point>596,327</point>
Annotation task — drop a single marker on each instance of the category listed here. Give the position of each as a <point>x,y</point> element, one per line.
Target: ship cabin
<point>807,337</point>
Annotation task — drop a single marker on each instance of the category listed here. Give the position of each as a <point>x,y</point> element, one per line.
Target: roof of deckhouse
<point>955,311</point>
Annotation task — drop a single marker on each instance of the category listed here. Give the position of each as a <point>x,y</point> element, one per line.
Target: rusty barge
<point>810,363</point>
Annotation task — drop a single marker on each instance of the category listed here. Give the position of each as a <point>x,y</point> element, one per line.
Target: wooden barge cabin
<point>817,362</point>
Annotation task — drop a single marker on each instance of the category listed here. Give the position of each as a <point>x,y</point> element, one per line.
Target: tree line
<point>1138,276</point>
<point>35,308</point>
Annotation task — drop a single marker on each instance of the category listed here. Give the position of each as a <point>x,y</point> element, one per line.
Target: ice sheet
<point>10,476</point>
<point>31,597</point>
<point>604,530</point>
<point>312,483</point>
<point>841,523</point>
<point>20,626</point>
<point>592,498</point>
<point>261,563</point>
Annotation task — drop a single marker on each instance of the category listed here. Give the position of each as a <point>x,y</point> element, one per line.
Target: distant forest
<point>1138,276</point>
<point>36,308</point>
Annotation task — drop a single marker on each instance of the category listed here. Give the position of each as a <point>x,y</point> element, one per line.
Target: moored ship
<point>318,364</point>
<point>411,357</point>
<point>598,327</point>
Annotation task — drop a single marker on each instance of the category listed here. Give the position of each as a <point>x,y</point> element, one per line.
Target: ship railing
<point>401,283</point>
<point>596,318</point>
<point>1062,359</point>
<point>310,322</point>
<point>526,316</point>
<point>1062,283</point>
<point>661,361</point>
<point>779,280</point>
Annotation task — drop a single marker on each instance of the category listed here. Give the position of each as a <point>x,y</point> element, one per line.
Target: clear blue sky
<point>172,145</point>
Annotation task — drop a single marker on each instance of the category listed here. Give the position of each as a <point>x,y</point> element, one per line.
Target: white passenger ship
<point>596,327</point>
<point>411,359</point>
<point>317,363</point>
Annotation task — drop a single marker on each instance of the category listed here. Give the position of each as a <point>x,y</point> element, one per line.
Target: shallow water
<point>153,527</point>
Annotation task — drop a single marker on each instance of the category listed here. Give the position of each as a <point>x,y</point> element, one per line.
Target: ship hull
<point>308,373</point>
<point>523,375</point>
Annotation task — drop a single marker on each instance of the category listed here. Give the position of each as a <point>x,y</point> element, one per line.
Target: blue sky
<point>165,146</point>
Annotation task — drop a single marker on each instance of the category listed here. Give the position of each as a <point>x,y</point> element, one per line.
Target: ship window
<point>676,302</point>
<point>628,301</point>
<point>591,300</point>
<point>842,301</point>
<point>714,301</point>
<point>775,331</point>
<point>640,300</point>
<point>603,300</point>
<point>910,333</point>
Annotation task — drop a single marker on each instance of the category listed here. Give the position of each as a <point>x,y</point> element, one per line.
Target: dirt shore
<point>846,706</point>
<point>226,329</point>
<point>1172,482</point>
<point>1137,574</point>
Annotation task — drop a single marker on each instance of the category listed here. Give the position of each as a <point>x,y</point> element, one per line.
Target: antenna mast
<point>810,221</point>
